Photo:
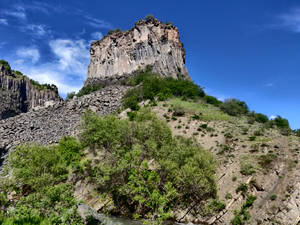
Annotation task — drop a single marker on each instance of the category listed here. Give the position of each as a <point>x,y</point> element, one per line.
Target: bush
<point>234,107</point>
<point>247,169</point>
<point>38,174</point>
<point>5,64</point>
<point>243,187</point>
<point>265,161</point>
<point>152,86</point>
<point>259,117</point>
<point>88,89</point>
<point>71,95</point>
<point>212,100</point>
<point>146,170</point>
<point>149,17</point>
<point>240,217</point>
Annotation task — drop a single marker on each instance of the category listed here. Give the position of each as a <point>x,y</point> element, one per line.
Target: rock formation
<point>46,125</point>
<point>149,42</point>
<point>19,94</point>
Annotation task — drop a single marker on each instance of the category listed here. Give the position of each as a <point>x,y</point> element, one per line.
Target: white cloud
<point>273,117</point>
<point>291,20</point>
<point>3,21</point>
<point>68,68</point>
<point>29,53</point>
<point>72,55</point>
<point>97,23</point>
<point>18,12</point>
<point>37,29</point>
<point>97,36</point>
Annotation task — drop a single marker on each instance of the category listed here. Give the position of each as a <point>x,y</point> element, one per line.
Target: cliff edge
<point>19,94</point>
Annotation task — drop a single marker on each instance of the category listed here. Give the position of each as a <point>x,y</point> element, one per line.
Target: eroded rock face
<point>148,43</point>
<point>18,94</point>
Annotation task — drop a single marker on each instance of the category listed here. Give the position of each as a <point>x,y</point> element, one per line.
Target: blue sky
<point>248,50</point>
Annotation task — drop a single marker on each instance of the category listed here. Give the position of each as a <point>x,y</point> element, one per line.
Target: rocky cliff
<point>19,94</point>
<point>149,42</point>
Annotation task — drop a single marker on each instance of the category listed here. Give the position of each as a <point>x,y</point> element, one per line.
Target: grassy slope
<point>269,162</point>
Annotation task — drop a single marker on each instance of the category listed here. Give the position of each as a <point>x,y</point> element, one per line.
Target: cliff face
<point>149,42</point>
<point>19,94</point>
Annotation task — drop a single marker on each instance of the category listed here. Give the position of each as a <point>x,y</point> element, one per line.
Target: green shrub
<point>71,95</point>
<point>5,64</point>
<point>149,17</point>
<point>178,111</point>
<point>252,138</point>
<point>273,197</point>
<point>265,161</point>
<point>212,100</point>
<point>183,171</point>
<point>88,89</point>
<point>281,122</point>
<point>240,217</point>
<point>234,107</point>
<point>247,169</point>
<point>259,117</point>
<point>243,187</point>
<point>152,86</point>
<point>39,174</point>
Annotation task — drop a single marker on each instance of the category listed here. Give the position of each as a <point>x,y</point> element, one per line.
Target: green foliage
<point>146,170</point>
<point>39,173</point>
<point>34,167</point>
<point>152,86</point>
<point>242,216</point>
<point>265,161</point>
<point>18,73</point>
<point>206,112</point>
<point>88,89</point>
<point>43,86</point>
<point>247,169</point>
<point>149,17</point>
<point>234,107</point>
<point>5,64</point>
<point>71,95</point>
<point>52,205</point>
<point>281,123</point>
<point>110,32</point>
<point>259,117</point>
<point>243,187</point>
<point>273,197</point>
<point>178,110</point>
<point>217,205</point>
<point>212,100</point>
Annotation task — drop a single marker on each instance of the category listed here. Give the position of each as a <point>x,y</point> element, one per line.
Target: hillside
<point>143,144</point>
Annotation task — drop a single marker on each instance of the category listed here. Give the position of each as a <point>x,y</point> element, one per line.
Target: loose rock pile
<point>48,124</point>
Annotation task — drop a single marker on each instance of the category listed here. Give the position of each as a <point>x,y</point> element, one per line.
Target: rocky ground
<point>46,125</point>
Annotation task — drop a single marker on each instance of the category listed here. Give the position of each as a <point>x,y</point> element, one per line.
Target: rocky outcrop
<point>19,94</point>
<point>149,42</point>
<point>49,124</point>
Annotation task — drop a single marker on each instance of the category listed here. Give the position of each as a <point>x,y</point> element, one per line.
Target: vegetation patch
<point>146,171</point>
<point>206,112</point>
<point>38,179</point>
<point>85,90</point>
<point>242,216</point>
<point>149,86</point>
